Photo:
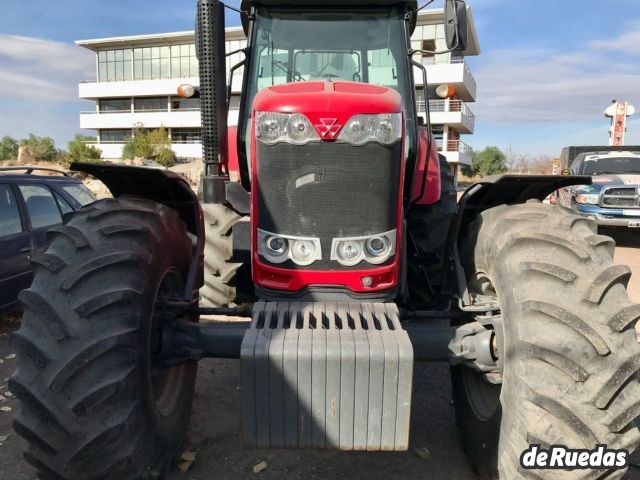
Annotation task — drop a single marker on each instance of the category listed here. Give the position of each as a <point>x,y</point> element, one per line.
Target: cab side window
<point>42,207</point>
<point>10,222</point>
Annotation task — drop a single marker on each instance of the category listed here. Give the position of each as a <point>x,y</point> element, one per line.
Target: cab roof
<point>345,4</point>
<point>325,3</point>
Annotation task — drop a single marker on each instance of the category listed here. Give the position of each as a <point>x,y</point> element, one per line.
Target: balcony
<point>149,119</point>
<point>455,151</point>
<point>183,118</point>
<point>454,72</point>
<point>113,150</point>
<point>133,88</point>
<point>454,113</point>
<point>91,89</point>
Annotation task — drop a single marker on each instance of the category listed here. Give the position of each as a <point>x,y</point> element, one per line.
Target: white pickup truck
<point>614,197</point>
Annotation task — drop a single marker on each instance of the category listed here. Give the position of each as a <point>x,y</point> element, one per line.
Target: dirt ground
<point>215,425</point>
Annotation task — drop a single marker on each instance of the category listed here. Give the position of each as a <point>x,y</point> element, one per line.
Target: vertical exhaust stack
<point>210,49</point>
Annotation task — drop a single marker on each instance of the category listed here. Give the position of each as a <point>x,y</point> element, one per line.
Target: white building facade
<point>137,78</point>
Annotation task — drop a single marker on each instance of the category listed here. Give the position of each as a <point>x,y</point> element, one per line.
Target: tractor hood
<point>328,105</point>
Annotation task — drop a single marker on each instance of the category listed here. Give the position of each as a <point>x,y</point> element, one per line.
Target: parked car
<point>614,197</point>
<point>29,206</point>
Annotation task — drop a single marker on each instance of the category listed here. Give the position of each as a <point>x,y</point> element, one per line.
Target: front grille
<point>328,190</point>
<point>626,197</point>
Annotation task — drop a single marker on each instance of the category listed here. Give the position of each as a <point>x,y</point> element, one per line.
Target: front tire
<point>92,404</point>
<point>570,356</point>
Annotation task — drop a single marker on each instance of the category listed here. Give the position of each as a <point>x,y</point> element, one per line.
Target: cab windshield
<point>358,46</point>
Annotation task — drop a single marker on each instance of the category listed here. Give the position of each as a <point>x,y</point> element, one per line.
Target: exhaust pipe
<point>210,50</point>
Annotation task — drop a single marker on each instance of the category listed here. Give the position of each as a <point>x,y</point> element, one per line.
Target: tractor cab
<point>314,43</point>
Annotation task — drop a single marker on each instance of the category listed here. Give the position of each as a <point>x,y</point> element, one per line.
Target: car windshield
<point>615,165</point>
<point>363,46</point>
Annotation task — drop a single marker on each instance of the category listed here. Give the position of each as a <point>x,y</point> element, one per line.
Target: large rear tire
<point>93,406</point>
<point>570,356</point>
<point>220,274</point>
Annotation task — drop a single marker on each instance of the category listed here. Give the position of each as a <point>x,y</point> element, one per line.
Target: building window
<point>151,104</point>
<point>185,135</point>
<point>183,61</point>
<point>175,61</point>
<point>438,133</point>
<point>115,65</point>
<point>114,135</point>
<point>115,105</point>
<point>152,63</point>
<point>428,46</point>
<point>178,103</point>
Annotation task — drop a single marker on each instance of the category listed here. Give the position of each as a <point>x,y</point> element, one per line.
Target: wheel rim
<point>483,396</point>
<point>166,383</point>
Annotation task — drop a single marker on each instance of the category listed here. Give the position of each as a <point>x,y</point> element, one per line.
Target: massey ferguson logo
<point>328,128</point>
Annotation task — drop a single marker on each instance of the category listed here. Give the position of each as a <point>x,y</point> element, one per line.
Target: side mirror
<point>456,23</point>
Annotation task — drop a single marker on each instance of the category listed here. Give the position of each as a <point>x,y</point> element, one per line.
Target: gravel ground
<point>215,424</point>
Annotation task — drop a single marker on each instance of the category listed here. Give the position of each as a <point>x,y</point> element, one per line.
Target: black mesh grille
<point>328,190</point>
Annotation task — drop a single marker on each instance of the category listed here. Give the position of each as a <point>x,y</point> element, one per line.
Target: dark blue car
<point>29,206</point>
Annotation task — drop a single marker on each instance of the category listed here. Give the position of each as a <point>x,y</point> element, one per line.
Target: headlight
<point>588,198</point>
<point>273,127</point>
<point>385,128</point>
<point>377,246</point>
<point>303,252</point>
<point>349,252</point>
<point>277,248</point>
<point>375,249</point>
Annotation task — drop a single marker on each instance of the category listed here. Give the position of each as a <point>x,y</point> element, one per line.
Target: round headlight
<point>303,252</point>
<point>275,246</point>
<point>377,246</point>
<point>350,251</point>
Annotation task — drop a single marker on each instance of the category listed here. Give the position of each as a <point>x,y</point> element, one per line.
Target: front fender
<point>164,187</point>
<point>508,190</point>
<point>158,185</point>
<point>500,190</point>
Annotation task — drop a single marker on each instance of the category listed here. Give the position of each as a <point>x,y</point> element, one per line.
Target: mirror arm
<point>433,52</point>
<point>250,16</point>
<point>240,50</point>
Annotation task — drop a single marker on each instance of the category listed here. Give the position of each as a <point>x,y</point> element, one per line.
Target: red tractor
<point>343,244</point>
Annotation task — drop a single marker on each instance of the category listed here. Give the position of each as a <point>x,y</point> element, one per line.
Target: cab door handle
<point>25,250</point>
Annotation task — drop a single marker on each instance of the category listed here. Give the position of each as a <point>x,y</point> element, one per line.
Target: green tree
<point>8,148</point>
<point>489,161</point>
<point>80,151</point>
<point>44,148</point>
<point>150,144</point>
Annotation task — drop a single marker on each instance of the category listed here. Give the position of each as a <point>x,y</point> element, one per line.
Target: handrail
<point>173,110</point>
<point>453,146</point>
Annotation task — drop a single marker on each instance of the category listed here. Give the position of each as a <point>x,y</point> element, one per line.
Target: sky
<point>547,69</point>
